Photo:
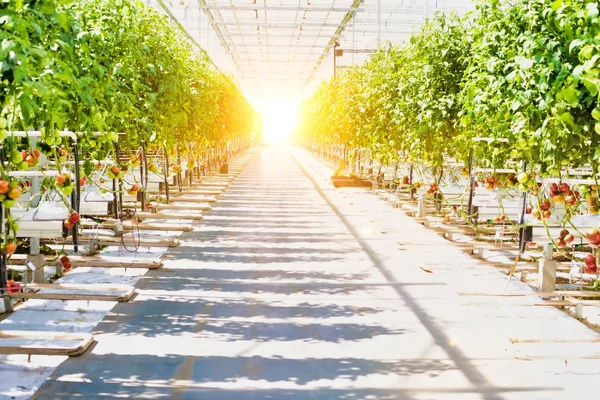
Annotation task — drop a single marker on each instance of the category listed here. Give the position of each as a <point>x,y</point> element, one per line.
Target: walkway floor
<point>292,290</point>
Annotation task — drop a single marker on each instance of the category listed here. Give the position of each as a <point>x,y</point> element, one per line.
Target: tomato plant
<point>107,66</point>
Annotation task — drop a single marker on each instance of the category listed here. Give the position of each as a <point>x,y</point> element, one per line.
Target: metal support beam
<point>220,35</point>
<point>256,7</point>
<point>281,45</point>
<point>305,56</point>
<point>289,62</point>
<point>338,32</point>
<point>277,25</point>
<point>302,35</point>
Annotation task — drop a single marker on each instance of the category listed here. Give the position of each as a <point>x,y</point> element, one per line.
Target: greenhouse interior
<point>299,199</point>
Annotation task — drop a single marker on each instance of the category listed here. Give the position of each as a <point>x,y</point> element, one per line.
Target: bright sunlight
<point>279,120</point>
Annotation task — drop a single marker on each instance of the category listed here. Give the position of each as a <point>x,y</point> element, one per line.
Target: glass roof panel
<point>288,43</point>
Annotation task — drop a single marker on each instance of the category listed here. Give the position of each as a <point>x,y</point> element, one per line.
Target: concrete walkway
<point>290,289</point>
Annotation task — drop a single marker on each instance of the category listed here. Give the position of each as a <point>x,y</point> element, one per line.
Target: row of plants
<point>523,74</point>
<point>522,71</point>
<point>106,70</point>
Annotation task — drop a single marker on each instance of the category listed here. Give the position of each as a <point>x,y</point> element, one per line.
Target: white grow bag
<point>94,202</point>
<point>154,180</point>
<point>45,221</point>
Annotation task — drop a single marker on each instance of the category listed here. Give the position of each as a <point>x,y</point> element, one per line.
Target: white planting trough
<point>495,203</point>
<point>154,180</point>
<point>94,202</point>
<point>46,221</point>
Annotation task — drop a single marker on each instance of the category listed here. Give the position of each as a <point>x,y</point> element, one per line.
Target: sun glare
<point>279,120</point>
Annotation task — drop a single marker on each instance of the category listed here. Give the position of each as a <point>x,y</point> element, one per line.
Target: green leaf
<point>586,52</point>
<point>591,85</point>
<point>64,21</point>
<point>576,43</point>
<point>570,95</point>
<point>567,118</point>
<point>596,153</point>
<point>557,4</point>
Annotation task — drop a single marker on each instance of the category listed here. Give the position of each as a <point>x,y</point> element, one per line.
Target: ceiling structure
<point>287,45</point>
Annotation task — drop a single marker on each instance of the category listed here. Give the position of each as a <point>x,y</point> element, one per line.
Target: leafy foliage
<point>404,100</point>
<point>112,66</point>
<point>533,79</point>
<point>526,72</point>
<point>98,68</point>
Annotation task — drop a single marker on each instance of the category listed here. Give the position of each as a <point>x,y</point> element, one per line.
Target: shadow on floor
<point>103,376</point>
<point>172,316</point>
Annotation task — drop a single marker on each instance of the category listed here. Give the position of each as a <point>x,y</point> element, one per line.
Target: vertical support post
<point>201,162</point>
<point>166,173</point>
<point>117,185</point>
<point>178,172</point>
<point>413,191</point>
<point>470,210</point>
<point>579,311</point>
<point>143,173</point>
<point>76,195</point>
<point>335,46</point>
<point>115,199</point>
<point>34,243</point>
<point>190,174</point>
<point>547,270</point>
<point>334,65</point>
<point>198,164</point>
<point>522,229</point>
<point>422,207</point>
<point>3,258</point>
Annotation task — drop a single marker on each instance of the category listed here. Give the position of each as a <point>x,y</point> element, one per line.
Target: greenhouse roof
<point>293,40</point>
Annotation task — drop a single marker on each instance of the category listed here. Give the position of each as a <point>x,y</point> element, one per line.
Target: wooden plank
<point>166,215</point>
<point>199,207</point>
<point>127,241</point>
<point>528,266</point>
<point>557,340</point>
<point>557,293</point>
<point>213,185</point>
<point>206,192</point>
<point>229,174</point>
<point>543,303</point>
<point>97,261</point>
<point>217,178</point>
<point>468,230</point>
<point>470,247</point>
<point>160,206</point>
<point>129,226</point>
<point>187,199</point>
<point>91,292</point>
<point>159,227</point>
<point>44,343</point>
<point>560,357</point>
<point>82,286</point>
